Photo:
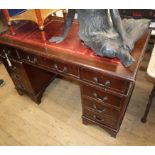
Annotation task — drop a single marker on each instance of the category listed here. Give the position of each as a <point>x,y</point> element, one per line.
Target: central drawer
<point>52,64</point>
<point>61,66</point>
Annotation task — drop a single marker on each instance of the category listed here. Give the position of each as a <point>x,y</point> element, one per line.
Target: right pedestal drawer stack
<point>104,99</point>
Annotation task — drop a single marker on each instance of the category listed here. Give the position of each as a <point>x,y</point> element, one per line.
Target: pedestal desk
<point>106,85</point>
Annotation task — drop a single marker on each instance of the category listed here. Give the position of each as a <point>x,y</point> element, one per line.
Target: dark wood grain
<point>106,85</point>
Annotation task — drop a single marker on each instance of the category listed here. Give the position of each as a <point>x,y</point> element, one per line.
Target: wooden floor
<point>57,120</point>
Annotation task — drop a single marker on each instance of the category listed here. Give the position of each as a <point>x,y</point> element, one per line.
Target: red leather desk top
<point>72,49</point>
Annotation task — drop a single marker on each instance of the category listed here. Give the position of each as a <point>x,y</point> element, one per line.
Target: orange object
<point>36,15</point>
<point>6,14</point>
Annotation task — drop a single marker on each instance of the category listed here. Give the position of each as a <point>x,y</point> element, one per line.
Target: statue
<point>109,38</point>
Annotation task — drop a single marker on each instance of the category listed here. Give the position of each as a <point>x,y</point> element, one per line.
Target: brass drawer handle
<point>32,60</point>
<point>95,79</point>
<point>107,83</point>
<point>56,66</point>
<point>65,69</point>
<point>105,98</point>
<point>98,110</point>
<point>98,119</point>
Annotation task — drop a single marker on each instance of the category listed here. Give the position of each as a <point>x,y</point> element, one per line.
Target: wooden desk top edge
<point>47,51</point>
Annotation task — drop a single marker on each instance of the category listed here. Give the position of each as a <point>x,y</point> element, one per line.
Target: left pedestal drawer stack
<point>26,78</point>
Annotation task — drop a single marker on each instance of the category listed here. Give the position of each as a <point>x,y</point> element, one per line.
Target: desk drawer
<point>105,81</point>
<point>11,52</point>
<point>53,64</point>
<point>61,66</point>
<point>99,109</point>
<point>30,58</point>
<point>103,96</point>
<point>16,77</point>
<point>99,118</point>
<point>19,75</point>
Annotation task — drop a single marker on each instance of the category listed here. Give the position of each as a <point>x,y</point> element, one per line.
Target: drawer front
<point>10,52</point>
<point>99,118</point>
<point>105,81</point>
<point>61,66</point>
<point>18,75</point>
<point>55,65</point>
<point>30,58</point>
<point>99,109</point>
<point>18,82</point>
<point>103,96</point>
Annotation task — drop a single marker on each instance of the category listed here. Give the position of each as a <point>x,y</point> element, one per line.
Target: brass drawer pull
<point>32,60</point>
<point>56,66</point>
<point>95,79</point>
<point>95,95</point>
<point>98,110</point>
<point>98,119</point>
<point>105,98</point>
<point>65,69</point>
<point>8,60</point>
<point>106,85</point>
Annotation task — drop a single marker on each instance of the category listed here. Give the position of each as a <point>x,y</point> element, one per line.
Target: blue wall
<point>13,12</point>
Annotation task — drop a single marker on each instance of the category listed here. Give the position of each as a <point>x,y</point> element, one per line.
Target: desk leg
<point>148,105</point>
<point>111,131</point>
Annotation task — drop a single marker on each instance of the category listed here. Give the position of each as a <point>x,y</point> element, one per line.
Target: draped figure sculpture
<point>106,33</point>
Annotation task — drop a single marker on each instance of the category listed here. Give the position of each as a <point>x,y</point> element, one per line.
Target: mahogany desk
<point>106,86</point>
